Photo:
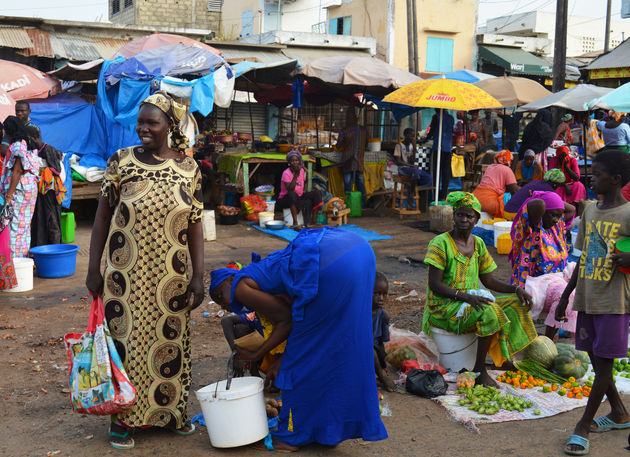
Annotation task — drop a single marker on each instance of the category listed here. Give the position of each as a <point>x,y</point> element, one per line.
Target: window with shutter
<point>215,5</point>
<point>439,54</point>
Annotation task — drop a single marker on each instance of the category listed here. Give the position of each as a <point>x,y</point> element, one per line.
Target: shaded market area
<point>238,207</point>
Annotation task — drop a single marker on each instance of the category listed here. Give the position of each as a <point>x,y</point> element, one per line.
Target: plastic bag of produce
<point>251,205</point>
<point>423,346</point>
<point>426,384</point>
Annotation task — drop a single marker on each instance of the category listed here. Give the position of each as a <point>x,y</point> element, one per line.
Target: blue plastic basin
<point>55,260</point>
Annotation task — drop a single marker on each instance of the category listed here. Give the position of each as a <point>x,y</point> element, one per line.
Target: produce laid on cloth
<point>621,367</point>
<point>544,404</point>
<point>548,380</point>
<point>489,400</point>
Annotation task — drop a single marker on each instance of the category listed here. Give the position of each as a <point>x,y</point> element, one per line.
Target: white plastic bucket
<point>374,146</point>
<point>500,228</point>
<point>23,273</point>
<point>271,206</point>
<point>235,417</point>
<point>288,219</point>
<point>456,351</point>
<point>265,217</point>
<point>208,225</point>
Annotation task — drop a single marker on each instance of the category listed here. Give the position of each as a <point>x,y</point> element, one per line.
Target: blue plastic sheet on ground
<point>290,234</point>
<point>486,235</point>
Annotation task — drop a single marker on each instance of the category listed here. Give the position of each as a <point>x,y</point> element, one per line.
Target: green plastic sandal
<point>130,443</point>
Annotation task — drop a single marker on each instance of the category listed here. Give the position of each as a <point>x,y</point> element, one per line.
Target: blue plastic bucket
<point>55,260</point>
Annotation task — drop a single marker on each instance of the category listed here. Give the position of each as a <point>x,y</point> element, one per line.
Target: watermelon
<point>542,350</point>
<point>567,365</point>
<point>570,350</point>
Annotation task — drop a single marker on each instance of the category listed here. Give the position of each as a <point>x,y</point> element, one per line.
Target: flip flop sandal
<point>605,424</point>
<point>183,433</point>
<point>579,441</point>
<point>130,443</point>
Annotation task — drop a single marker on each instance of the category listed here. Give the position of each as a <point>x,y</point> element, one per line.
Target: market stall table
<point>231,164</point>
<point>83,190</point>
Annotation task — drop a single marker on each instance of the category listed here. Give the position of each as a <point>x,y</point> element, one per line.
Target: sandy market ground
<point>38,419</point>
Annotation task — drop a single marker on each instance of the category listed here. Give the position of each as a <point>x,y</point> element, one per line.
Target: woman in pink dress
<point>8,279</point>
<point>572,191</point>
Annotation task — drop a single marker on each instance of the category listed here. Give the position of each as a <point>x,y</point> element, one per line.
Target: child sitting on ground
<point>601,295</point>
<point>380,325</point>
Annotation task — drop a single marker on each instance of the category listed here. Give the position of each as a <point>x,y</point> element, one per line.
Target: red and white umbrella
<point>160,39</point>
<point>23,82</point>
<point>7,105</point>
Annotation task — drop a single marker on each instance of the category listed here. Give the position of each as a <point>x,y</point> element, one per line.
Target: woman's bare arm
<point>277,310</point>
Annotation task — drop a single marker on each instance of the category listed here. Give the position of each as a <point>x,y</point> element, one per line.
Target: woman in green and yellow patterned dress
<point>149,215</point>
<point>457,260</point>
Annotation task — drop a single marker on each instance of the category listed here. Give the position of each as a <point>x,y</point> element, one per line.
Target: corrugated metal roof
<point>73,47</point>
<point>235,54</point>
<point>305,55</point>
<point>108,46</point>
<point>41,44</point>
<point>14,37</point>
<point>619,57</point>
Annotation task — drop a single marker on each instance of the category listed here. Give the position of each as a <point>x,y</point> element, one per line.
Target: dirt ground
<point>39,420</point>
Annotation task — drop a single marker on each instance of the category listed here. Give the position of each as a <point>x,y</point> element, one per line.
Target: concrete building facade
<point>584,34</point>
<point>190,14</point>
<point>242,18</point>
<point>443,45</point>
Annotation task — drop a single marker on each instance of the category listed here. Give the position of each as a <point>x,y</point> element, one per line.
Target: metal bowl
<point>274,225</point>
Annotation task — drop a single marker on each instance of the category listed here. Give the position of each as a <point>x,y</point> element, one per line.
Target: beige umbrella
<point>351,74</point>
<point>513,91</point>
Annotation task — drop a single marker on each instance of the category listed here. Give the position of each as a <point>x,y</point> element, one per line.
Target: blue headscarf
<point>220,275</point>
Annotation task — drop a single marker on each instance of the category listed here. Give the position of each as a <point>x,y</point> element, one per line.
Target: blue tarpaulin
<point>75,126</point>
<point>173,60</point>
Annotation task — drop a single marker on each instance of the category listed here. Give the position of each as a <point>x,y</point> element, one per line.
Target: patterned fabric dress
<point>506,319</point>
<point>24,197</point>
<point>537,251</point>
<point>145,280</point>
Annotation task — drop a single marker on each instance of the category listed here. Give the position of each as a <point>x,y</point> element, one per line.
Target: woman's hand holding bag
<point>98,381</point>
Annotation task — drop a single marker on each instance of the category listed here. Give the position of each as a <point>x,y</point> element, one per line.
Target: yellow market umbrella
<point>444,94</point>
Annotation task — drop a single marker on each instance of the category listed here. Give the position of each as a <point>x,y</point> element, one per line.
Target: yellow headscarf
<point>175,112</point>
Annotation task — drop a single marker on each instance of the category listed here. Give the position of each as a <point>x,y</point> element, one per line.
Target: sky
<point>95,10</point>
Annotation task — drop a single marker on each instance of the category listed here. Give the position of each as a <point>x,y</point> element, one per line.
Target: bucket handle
<point>230,373</point>
<point>460,349</point>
